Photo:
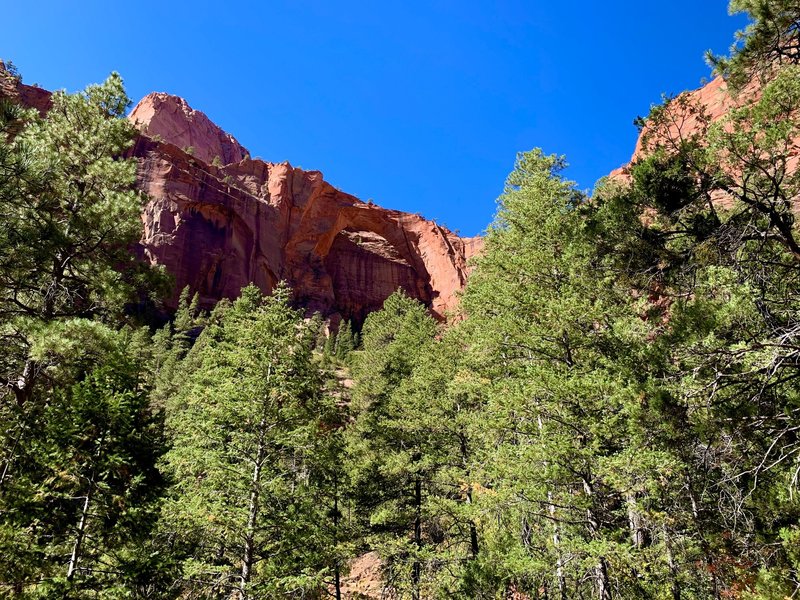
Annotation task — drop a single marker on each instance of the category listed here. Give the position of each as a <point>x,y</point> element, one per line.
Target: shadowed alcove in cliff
<point>367,261</point>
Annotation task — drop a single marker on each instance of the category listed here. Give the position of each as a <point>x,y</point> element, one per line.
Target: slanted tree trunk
<point>254,504</point>
<point>416,568</point>
<point>77,546</point>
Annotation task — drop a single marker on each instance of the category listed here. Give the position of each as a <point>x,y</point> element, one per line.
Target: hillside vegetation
<point>614,414</point>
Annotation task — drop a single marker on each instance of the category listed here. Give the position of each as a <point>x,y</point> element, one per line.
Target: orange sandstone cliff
<point>217,227</point>
<point>217,220</point>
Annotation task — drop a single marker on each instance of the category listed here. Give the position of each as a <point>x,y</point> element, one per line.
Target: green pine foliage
<point>614,414</point>
<point>388,467</point>
<point>345,341</point>
<point>250,455</point>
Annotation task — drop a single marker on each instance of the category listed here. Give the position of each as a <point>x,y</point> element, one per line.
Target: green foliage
<point>345,341</point>
<point>79,490</point>
<point>80,493</point>
<point>69,212</point>
<point>248,450</point>
<point>771,39</point>
<point>615,413</point>
<point>388,468</point>
<point>11,69</point>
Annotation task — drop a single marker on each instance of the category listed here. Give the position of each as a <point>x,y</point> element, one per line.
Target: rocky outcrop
<point>12,87</point>
<point>218,220</point>
<point>162,116</point>
<point>690,113</point>
<point>689,116</point>
<point>217,227</point>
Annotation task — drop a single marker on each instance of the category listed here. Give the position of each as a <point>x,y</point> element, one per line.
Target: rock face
<point>27,95</point>
<point>690,114</point>
<point>218,220</point>
<point>162,116</point>
<point>690,111</point>
<point>217,227</point>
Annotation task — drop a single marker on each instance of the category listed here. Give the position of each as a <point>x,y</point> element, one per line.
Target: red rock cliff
<point>217,227</point>
<point>170,118</point>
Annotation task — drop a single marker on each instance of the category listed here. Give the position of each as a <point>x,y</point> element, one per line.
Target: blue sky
<point>419,106</point>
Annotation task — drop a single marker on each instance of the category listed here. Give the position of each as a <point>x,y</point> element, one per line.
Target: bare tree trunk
<point>551,509</point>
<point>601,582</point>
<point>635,521</point>
<point>76,548</point>
<point>253,508</point>
<point>560,579</point>
<point>416,572</point>
<point>675,587</point>
<point>24,385</point>
<point>10,459</point>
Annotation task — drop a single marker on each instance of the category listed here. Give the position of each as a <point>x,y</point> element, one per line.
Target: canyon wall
<point>217,220</point>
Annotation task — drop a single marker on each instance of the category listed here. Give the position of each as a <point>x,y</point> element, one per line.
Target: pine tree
<point>344,341</point>
<point>84,495</point>
<point>386,442</point>
<point>70,211</point>
<point>247,428</point>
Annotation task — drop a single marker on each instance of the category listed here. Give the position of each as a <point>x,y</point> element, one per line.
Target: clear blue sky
<point>420,106</point>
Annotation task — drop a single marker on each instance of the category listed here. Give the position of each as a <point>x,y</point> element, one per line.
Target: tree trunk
<point>336,574</point>
<point>473,530</point>
<point>10,459</point>
<point>551,509</point>
<point>24,386</point>
<point>562,582</point>
<point>416,569</point>
<point>675,587</point>
<point>635,521</point>
<point>76,548</point>
<point>252,512</point>
<point>601,582</point>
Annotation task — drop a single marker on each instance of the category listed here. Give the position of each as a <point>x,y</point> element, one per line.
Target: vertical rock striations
<point>217,227</point>
<point>218,220</point>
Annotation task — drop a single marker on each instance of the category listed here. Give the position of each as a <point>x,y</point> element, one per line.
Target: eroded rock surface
<point>167,117</point>
<point>689,114</point>
<point>218,220</point>
<point>217,227</point>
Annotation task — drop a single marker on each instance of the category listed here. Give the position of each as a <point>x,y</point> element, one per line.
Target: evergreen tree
<point>771,38</point>
<point>78,487</point>
<point>248,434</point>
<point>70,212</point>
<point>345,342</point>
<point>386,441</point>
<point>85,491</point>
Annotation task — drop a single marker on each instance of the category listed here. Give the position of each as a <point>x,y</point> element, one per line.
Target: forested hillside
<point>614,412</point>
